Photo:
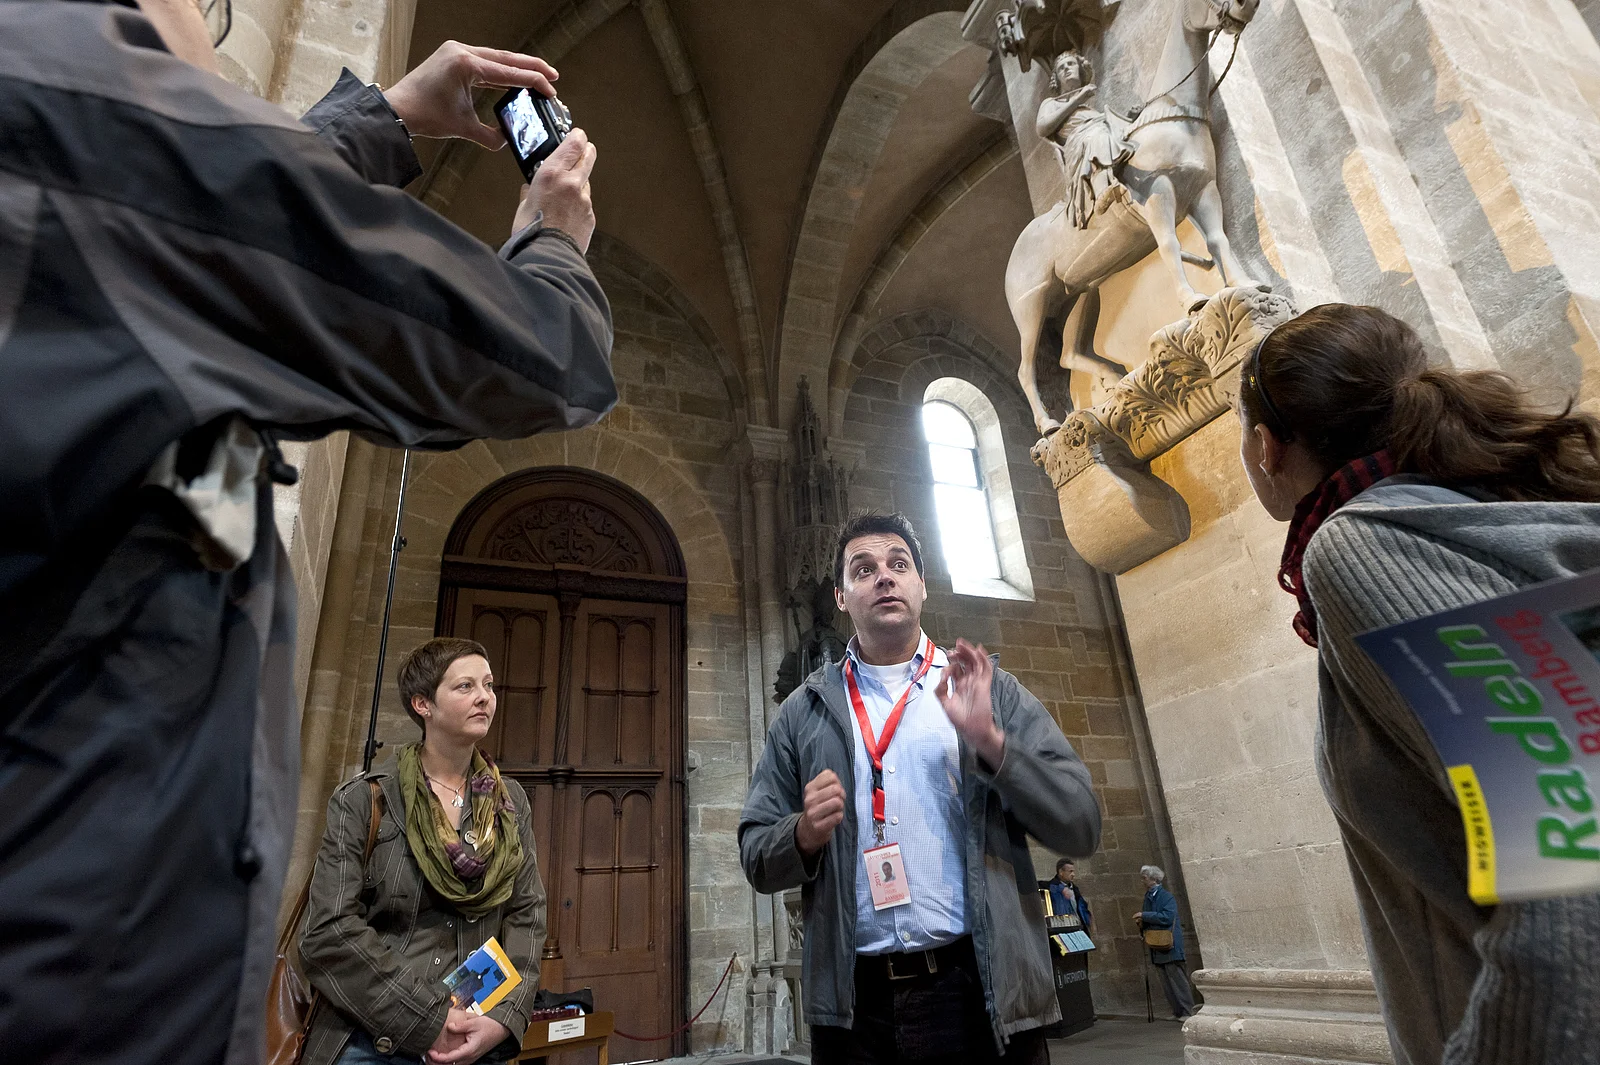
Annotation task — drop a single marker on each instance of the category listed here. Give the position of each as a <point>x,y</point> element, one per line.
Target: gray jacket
<point>1041,789</point>
<point>1458,983</point>
<point>177,255</point>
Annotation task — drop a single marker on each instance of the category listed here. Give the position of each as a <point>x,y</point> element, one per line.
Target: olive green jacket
<point>378,943</point>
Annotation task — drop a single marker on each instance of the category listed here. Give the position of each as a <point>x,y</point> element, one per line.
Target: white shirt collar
<point>940,659</point>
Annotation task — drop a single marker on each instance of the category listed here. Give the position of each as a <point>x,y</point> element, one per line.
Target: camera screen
<point>527,132</point>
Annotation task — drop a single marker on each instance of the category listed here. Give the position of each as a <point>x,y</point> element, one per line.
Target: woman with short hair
<point>1412,489</point>
<point>453,866</point>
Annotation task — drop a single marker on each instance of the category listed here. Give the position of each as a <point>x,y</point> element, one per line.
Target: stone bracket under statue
<point>1118,514</point>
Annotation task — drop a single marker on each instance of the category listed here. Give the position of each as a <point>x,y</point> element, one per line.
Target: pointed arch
<point>914,39</point>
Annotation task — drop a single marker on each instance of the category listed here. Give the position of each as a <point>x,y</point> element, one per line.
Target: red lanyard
<point>876,747</point>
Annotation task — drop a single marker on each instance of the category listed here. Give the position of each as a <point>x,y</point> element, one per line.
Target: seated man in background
<point>186,273</point>
<point>937,765</point>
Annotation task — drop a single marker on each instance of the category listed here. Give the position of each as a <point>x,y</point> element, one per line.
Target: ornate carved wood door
<point>575,586</point>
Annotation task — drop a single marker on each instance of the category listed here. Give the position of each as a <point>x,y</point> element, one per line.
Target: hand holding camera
<point>560,189</point>
<point>435,99</point>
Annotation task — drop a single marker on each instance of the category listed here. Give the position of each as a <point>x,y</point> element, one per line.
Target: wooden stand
<point>597,1029</point>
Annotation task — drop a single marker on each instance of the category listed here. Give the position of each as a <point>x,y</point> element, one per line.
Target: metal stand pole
<point>395,546</point>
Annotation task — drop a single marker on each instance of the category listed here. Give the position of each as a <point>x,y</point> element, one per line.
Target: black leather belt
<point>910,965</point>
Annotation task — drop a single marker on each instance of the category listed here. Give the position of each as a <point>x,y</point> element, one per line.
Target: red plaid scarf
<point>1343,485</point>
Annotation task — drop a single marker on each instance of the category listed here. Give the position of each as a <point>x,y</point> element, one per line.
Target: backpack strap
<point>297,915</point>
<point>372,823</point>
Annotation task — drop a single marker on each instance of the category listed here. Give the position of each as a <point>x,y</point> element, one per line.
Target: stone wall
<point>1062,646</point>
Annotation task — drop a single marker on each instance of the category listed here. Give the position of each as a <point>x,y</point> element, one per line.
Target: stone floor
<point>1122,1042</point>
<point>1112,1041</point>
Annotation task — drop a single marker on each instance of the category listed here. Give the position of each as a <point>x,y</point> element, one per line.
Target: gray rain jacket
<point>181,262</point>
<point>1041,789</point>
<point>1514,984</point>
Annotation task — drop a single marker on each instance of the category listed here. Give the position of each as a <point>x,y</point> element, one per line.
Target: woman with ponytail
<point>1411,489</point>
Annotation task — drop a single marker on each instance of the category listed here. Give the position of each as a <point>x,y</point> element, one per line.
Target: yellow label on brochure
<point>1480,835</point>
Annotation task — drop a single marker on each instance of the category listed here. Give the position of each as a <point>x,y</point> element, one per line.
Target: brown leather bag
<point>1158,938</point>
<point>289,1001</point>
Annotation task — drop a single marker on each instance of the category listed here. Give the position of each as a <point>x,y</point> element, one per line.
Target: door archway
<point>576,586</point>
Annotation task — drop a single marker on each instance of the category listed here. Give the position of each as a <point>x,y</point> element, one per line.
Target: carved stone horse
<point>1171,175</point>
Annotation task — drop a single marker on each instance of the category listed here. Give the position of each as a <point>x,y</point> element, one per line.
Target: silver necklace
<point>457,802</point>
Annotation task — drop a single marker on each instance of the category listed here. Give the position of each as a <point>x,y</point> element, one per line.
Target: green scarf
<point>473,884</point>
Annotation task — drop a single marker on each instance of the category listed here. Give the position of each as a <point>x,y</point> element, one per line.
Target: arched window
<point>978,528</point>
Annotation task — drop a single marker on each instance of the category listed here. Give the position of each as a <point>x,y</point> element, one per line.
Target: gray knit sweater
<point>1461,984</point>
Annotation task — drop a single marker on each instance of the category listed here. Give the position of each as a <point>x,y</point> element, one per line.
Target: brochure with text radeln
<point>1509,692</point>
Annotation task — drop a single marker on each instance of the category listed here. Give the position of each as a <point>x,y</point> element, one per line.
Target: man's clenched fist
<point>823,809</point>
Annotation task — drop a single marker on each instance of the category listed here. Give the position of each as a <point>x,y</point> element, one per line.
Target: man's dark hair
<point>423,670</point>
<point>873,523</point>
<point>1063,863</point>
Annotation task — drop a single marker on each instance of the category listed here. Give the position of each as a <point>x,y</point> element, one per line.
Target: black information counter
<point>1069,948</point>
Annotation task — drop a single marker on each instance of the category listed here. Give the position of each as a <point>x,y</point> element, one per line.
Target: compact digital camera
<point>534,124</point>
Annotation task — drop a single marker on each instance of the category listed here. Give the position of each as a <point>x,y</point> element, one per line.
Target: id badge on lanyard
<point>886,874</point>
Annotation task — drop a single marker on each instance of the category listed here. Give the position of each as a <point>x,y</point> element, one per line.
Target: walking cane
<point>1149,1004</point>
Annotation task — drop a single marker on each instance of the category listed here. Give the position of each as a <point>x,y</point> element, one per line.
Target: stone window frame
<point>1016,580</point>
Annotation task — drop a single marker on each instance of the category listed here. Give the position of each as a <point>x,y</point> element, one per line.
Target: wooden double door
<point>589,721</point>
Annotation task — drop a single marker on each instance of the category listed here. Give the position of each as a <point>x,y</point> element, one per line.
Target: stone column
<point>323,724</point>
<point>766,452</point>
<point>1497,116</point>
<point>291,53</point>
<point>250,53</point>
<point>762,450</point>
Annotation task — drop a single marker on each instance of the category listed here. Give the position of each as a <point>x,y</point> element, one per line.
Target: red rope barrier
<point>684,1027</point>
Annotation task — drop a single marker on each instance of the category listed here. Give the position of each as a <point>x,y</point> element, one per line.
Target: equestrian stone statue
<point>1130,181</point>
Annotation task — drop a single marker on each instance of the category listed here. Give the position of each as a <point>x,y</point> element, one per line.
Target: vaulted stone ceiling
<point>800,170</point>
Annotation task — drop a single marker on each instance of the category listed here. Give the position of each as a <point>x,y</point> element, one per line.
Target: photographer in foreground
<point>186,273</point>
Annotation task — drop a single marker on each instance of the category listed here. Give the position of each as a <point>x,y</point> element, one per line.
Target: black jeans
<point>932,1018</point>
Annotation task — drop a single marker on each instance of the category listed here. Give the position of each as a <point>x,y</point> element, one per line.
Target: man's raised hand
<point>435,99</point>
<point>964,692</point>
<point>823,809</point>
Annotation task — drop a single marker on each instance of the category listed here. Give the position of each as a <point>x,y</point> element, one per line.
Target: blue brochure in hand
<point>1509,692</point>
<point>480,983</point>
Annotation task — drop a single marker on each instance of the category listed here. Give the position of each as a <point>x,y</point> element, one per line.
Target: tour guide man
<point>947,961</point>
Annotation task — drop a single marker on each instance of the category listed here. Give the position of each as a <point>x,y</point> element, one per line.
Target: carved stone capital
<point>765,471</point>
<point>764,451</point>
<point>1116,512</point>
<point>1191,377</point>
